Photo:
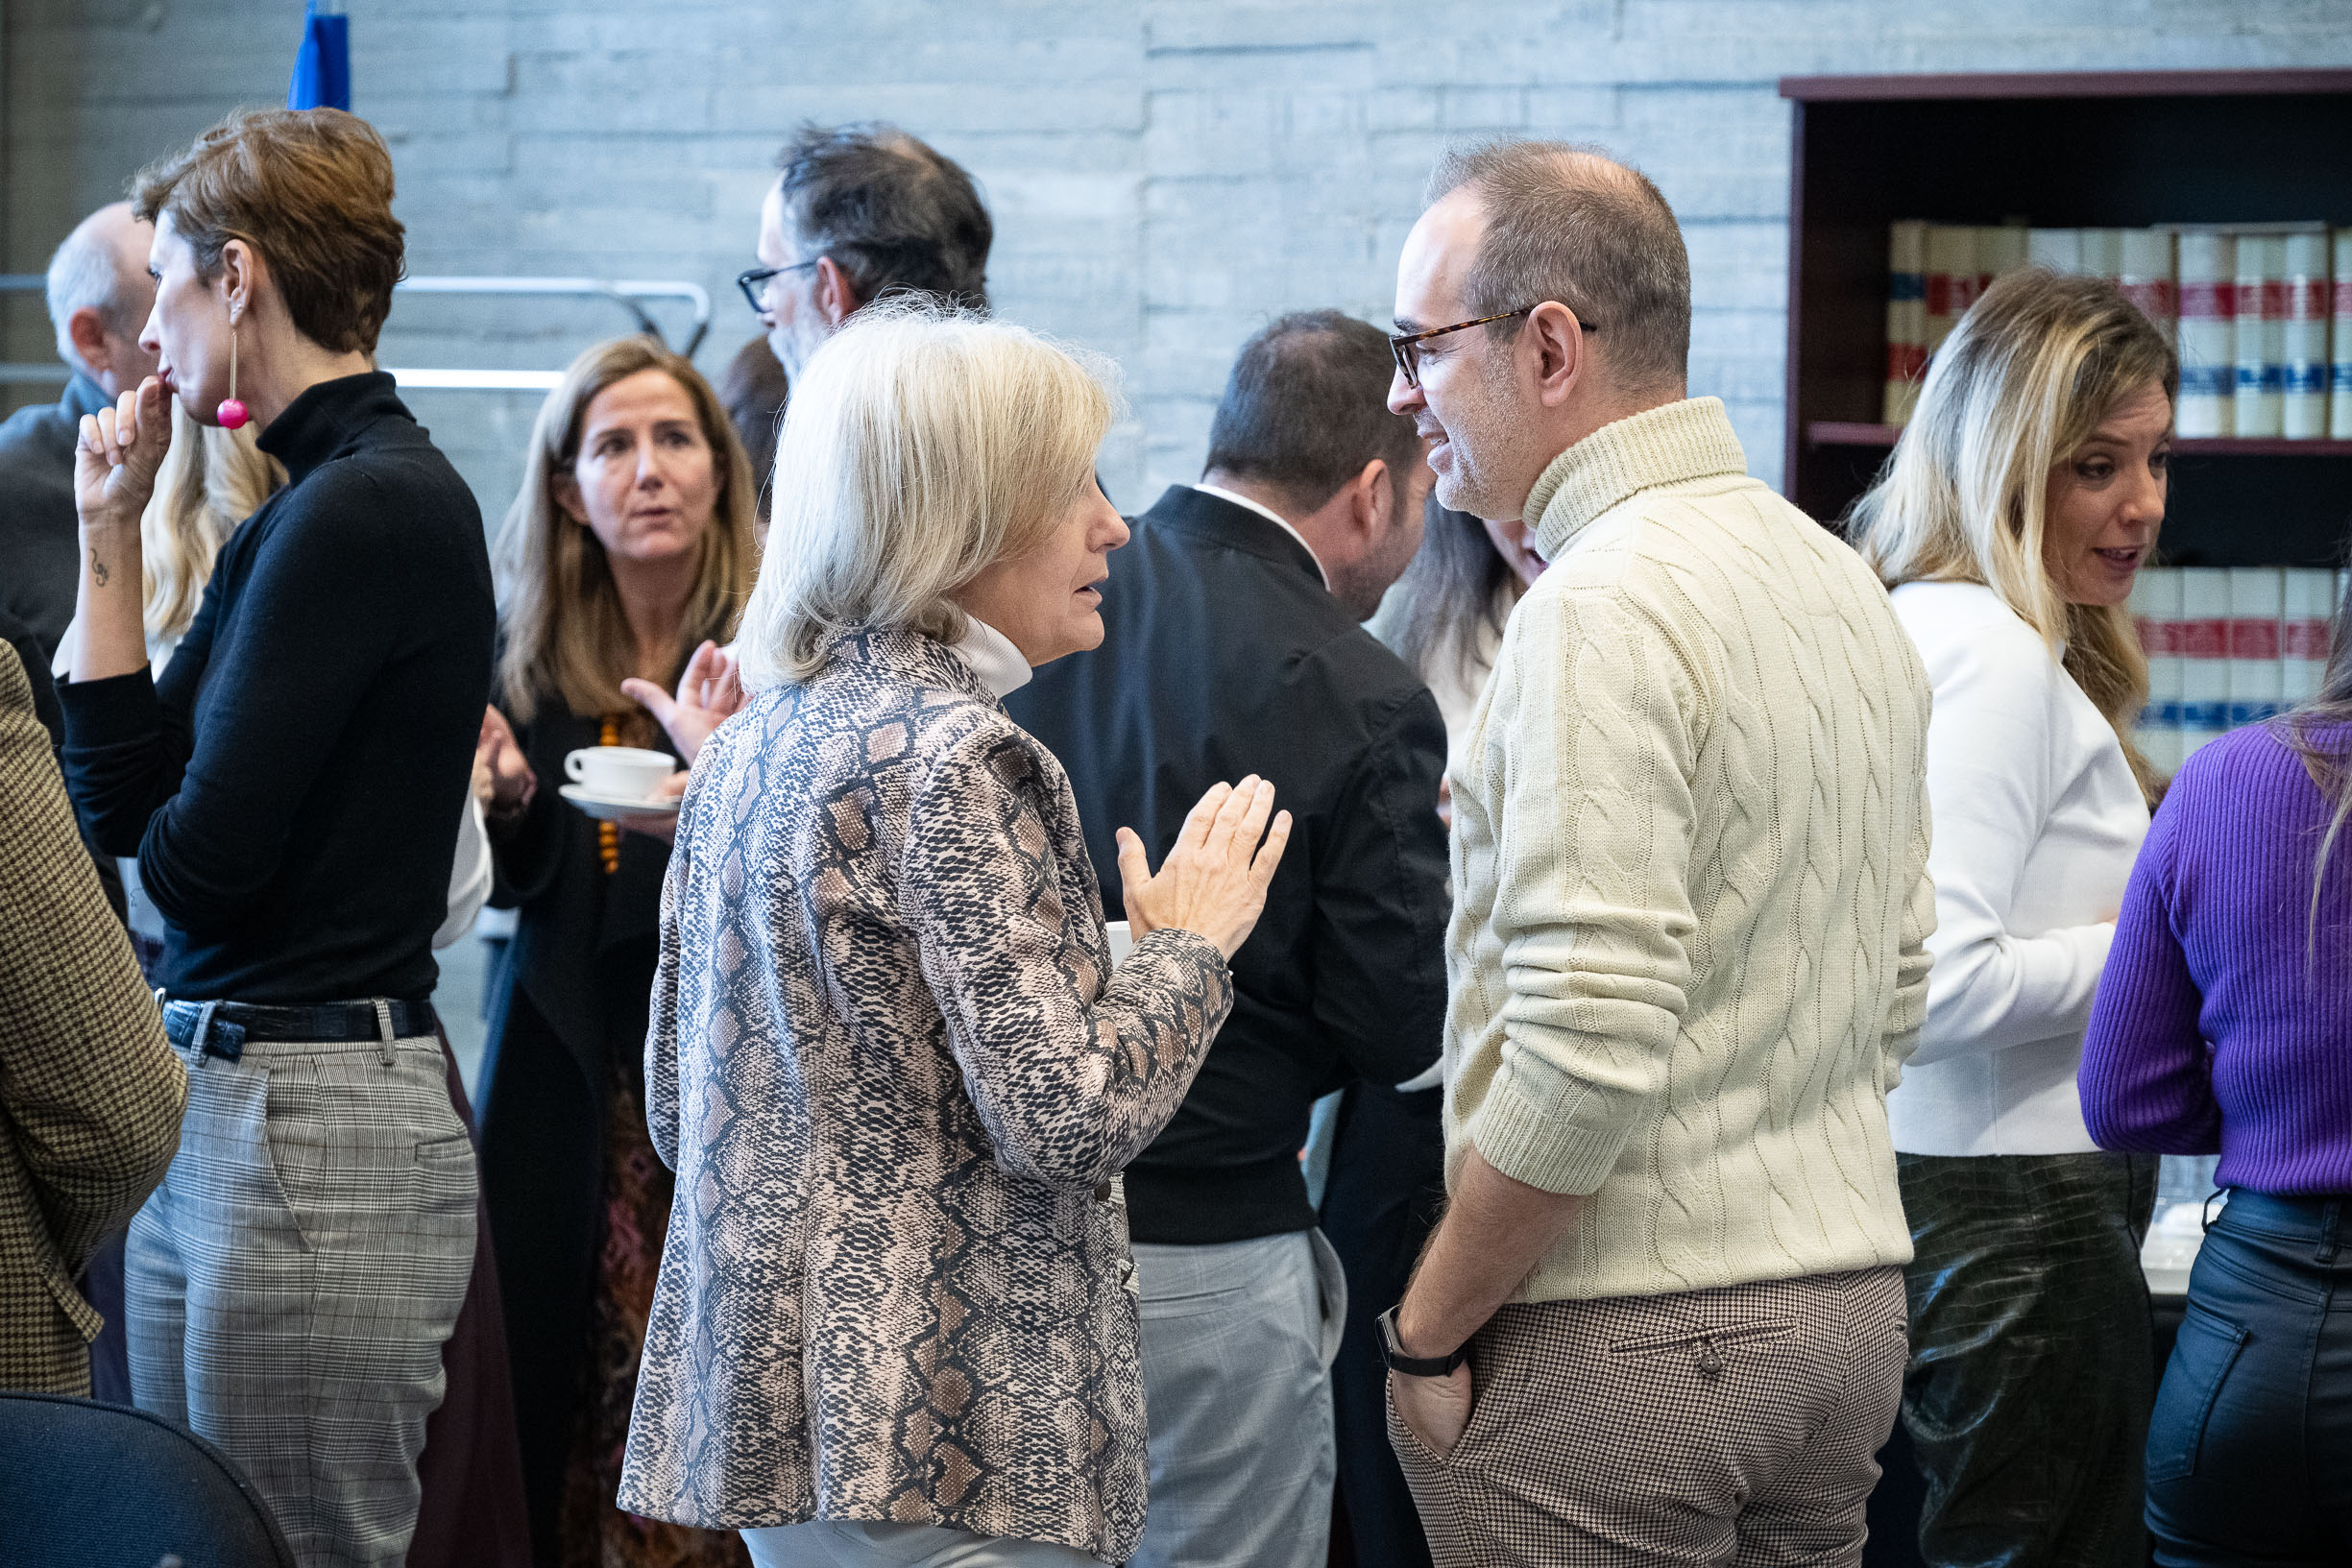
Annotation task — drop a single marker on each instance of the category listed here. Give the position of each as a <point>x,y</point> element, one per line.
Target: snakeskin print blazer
<point>896,1077</point>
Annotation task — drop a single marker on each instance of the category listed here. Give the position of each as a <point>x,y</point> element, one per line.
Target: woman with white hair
<point>2019,505</point>
<point>888,1058</point>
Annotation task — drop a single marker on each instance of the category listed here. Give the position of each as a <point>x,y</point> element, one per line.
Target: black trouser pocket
<point>2208,1347</point>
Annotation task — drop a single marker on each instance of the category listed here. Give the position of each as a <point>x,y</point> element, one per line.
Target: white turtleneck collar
<point>1000,666</point>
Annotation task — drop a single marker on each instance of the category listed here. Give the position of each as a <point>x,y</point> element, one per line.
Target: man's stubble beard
<point>792,347</point>
<point>1362,587</point>
<point>1481,439</point>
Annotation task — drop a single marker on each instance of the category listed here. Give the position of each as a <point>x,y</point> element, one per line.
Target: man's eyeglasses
<point>754,282</point>
<point>1406,346</point>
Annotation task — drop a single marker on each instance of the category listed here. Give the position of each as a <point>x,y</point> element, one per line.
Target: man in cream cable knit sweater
<point>1663,1321</point>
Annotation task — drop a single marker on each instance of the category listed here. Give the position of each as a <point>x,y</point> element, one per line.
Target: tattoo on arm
<point>98,568</point>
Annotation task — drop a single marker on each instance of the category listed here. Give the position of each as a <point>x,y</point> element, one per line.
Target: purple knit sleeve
<point>2146,1078</point>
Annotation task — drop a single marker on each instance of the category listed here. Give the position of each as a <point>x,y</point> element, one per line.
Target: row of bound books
<point>2261,314</point>
<point>2226,646</point>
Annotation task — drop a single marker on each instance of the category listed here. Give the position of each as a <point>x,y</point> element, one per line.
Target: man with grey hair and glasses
<point>99,299</point>
<point>858,211</point>
<point>1662,1318</point>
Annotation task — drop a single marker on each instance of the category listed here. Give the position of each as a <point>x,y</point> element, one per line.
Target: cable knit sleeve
<point>1914,964</point>
<point>1991,741</point>
<point>1591,827</point>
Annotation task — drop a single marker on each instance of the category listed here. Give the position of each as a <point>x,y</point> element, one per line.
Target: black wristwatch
<point>1392,1351</point>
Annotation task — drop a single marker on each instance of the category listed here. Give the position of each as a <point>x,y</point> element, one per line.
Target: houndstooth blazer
<point>90,1094</point>
<point>896,1077</point>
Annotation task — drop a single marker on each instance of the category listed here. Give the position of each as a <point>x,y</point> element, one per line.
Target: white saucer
<point>611,809</point>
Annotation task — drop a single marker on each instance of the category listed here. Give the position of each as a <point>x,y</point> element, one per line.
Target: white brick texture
<point>1165,176</point>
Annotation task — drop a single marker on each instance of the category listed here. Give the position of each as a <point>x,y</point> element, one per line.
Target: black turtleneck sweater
<point>292,784</point>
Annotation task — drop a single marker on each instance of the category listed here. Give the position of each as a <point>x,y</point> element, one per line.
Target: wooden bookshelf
<point>2059,150</point>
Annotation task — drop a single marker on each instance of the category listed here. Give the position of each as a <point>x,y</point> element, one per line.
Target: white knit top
<point>2037,821</point>
<point>1687,952</point>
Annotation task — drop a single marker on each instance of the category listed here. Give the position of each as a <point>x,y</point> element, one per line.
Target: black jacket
<point>40,543</point>
<point>573,916</point>
<point>567,1006</point>
<point>1224,656</point>
<point>20,637</point>
<point>292,785</point>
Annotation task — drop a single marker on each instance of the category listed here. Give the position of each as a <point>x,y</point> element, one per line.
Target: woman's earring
<point>231,413</point>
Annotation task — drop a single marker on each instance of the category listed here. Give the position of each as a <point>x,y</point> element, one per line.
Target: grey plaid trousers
<point>291,1283</point>
<point>1738,1426</point>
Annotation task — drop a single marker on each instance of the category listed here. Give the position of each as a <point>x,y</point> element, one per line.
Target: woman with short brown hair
<point>292,785</point>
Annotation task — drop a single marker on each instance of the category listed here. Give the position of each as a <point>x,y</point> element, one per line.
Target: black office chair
<point>90,1485</point>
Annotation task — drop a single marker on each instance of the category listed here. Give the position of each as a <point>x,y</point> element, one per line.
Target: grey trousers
<point>1734,1426</point>
<point>1238,1340</point>
<point>291,1283</point>
<point>856,1543</point>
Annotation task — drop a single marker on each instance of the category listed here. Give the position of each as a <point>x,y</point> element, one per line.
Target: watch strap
<point>1392,1350</point>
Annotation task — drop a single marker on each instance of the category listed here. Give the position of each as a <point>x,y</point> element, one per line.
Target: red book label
<point>2306,299</point>
<point>2204,639</point>
<point>2208,301</point>
<point>1939,294</point>
<point>2274,298</point>
<point>2305,640</point>
<point>2160,637</point>
<point>1905,361</point>
<point>2343,297</point>
<point>2253,638</point>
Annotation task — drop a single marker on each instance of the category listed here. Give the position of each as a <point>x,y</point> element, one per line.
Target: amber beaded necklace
<point>608,833</point>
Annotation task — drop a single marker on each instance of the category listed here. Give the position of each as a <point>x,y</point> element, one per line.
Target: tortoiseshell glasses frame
<point>1405,348</point>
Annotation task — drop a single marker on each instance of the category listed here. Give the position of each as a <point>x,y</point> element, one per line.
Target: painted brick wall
<point>1165,176</point>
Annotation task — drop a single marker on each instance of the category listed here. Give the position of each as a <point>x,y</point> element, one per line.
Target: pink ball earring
<point>231,413</point>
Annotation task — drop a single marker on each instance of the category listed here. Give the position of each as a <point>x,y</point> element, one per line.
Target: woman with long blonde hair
<point>2011,521</point>
<point>628,552</point>
<point>2223,1029</point>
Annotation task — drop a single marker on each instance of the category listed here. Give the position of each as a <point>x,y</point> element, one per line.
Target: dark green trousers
<point>2031,1371</point>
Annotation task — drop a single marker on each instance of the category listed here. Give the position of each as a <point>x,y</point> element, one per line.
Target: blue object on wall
<point>322,69</point>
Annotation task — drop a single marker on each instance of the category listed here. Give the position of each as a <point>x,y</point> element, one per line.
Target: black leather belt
<point>235,1023</point>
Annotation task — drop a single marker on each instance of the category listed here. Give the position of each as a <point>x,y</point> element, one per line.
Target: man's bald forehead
<point>1573,166</point>
<point>124,234</point>
<point>111,222</point>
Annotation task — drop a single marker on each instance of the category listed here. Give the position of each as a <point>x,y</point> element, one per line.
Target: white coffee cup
<point>1122,941</point>
<point>622,773</point>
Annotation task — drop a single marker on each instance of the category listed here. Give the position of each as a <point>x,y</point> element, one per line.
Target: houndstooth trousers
<point>291,1283</point>
<point>1733,1426</point>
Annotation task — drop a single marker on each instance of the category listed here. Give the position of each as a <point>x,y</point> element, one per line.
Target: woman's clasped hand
<point>1214,880</point>
<point>120,452</point>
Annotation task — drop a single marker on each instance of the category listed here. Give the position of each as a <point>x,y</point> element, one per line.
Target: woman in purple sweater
<point>2223,1023</point>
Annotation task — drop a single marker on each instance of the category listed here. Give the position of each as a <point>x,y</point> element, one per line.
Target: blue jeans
<point>2250,1457</point>
<point>1237,1346</point>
